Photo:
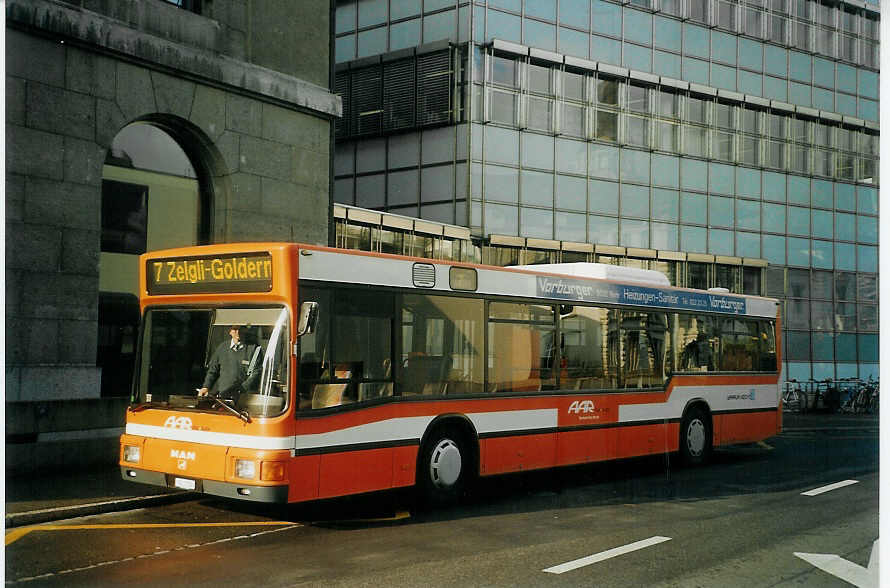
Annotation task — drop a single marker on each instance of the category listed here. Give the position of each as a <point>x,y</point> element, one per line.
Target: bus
<point>379,371</point>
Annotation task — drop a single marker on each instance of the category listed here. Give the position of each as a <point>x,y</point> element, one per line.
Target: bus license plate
<point>184,483</point>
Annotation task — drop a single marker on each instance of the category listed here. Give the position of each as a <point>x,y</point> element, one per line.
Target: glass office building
<point>724,143</point>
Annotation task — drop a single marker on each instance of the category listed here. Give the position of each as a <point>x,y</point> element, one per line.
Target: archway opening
<point>152,198</point>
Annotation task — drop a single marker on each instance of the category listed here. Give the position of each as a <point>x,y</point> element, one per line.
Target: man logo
<point>178,423</point>
<point>581,406</point>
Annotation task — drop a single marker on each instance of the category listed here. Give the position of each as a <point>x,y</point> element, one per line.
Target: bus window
<point>349,357</point>
<point>644,346</point>
<point>696,343</point>
<point>767,335</point>
<point>521,347</point>
<point>583,348</point>
<point>179,346</point>
<point>362,342</point>
<point>173,354</point>
<point>442,345</point>
<point>739,345</point>
<point>314,347</point>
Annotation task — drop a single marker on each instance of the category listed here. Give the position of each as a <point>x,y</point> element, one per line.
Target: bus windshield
<point>238,354</point>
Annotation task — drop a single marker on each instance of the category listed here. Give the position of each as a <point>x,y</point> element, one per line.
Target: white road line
<point>604,555</point>
<point>829,488</point>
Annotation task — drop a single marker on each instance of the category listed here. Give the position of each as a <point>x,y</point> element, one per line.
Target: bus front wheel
<point>443,468</point>
<point>695,437</point>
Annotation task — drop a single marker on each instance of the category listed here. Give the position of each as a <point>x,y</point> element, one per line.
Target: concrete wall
<point>63,434</point>
<point>254,119</point>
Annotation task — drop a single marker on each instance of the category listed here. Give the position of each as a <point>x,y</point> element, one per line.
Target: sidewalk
<point>34,500</point>
<point>31,501</point>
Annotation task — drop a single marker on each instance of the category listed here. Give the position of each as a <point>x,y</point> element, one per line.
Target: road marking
<point>16,534</point>
<point>829,488</point>
<point>844,569</point>
<point>157,553</point>
<point>604,555</point>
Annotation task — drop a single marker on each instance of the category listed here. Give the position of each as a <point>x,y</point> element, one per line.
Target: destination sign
<point>606,293</point>
<point>244,272</point>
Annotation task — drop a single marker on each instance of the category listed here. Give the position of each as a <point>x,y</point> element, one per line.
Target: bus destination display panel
<point>245,272</point>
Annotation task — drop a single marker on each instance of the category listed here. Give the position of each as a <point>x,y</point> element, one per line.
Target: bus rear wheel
<point>695,437</point>
<point>443,468</point>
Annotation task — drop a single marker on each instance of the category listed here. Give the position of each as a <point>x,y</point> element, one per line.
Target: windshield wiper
<point>143,406</point>
<point>243,415</point>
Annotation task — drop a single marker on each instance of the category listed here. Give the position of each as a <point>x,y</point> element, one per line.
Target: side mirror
<point>308,318</point>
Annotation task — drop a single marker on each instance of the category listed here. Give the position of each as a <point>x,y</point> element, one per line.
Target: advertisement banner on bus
<point>582,291</point>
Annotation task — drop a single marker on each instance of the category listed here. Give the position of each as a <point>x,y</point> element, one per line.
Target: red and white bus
<point>379,371</point>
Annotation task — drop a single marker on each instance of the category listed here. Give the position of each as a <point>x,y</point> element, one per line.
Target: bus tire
<point>444,467</point>
<point>696,437</point>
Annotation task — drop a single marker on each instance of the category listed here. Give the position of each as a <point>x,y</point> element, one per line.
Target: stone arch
<point>210,168</point>
<point>158,191</point>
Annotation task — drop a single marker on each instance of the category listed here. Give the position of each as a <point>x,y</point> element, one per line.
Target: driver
<point>234,367</point>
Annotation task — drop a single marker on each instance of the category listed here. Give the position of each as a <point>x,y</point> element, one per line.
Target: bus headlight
<point>245,468</point>
<point>132,453</point>
<point>272,471</point>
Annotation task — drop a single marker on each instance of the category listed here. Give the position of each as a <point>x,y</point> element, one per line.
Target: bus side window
<point>442,342</point>
<point>315,349</point>
<point>694,334</point>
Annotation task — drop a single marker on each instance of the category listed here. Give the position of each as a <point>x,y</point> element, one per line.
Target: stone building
<point>241,87</point>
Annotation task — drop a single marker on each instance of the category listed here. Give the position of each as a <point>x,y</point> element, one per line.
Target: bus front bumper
<point>267,494</point>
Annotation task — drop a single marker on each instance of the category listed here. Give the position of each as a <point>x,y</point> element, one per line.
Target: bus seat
<point>324,395</point>
<point>432,388</point>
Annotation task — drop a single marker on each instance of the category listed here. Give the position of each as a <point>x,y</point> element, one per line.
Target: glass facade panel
<point>665,204</point>
<point>798,252</point>
<point>603,196</point>
<point>603,229</point>
<point>536,188</point>
<point>798,221</point>
<point>634,201</point>
<point>774,217</point>
<point>603,161</point>
<point>665,170</point>
<point>668,33</point>
<point>571,193</point>
<point>748,215</point>
<point>634,166</point>
<point>501,183</point>
<point>693,208</point>
<point>634,233</point>
<point>720,242</point>
<point>693,240</point>
<point>571,156</point>
<point>720,213</point>
<point>823,224</point>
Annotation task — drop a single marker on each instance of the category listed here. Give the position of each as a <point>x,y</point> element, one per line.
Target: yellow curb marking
<point>17,534</point>
<point>397,517</point>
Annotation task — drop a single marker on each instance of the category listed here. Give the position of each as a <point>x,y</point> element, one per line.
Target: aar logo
<point>582,407</point>
<point>174,422</point>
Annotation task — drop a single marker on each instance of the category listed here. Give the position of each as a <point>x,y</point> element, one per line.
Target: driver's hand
<point>203,391</point>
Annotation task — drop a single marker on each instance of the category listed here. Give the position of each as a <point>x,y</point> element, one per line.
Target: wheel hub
<point>445,464</point>
<point>695,438</point>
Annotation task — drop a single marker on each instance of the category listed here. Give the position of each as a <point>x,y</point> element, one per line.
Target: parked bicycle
<point>848,395</point>
<point>866,401</point>
<point>794,399</point>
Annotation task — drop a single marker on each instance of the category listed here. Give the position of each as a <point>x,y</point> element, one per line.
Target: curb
<point>865,428</point>
<point>36,517</point>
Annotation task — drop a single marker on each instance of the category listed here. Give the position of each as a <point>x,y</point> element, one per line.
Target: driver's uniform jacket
<point>234,369</point>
